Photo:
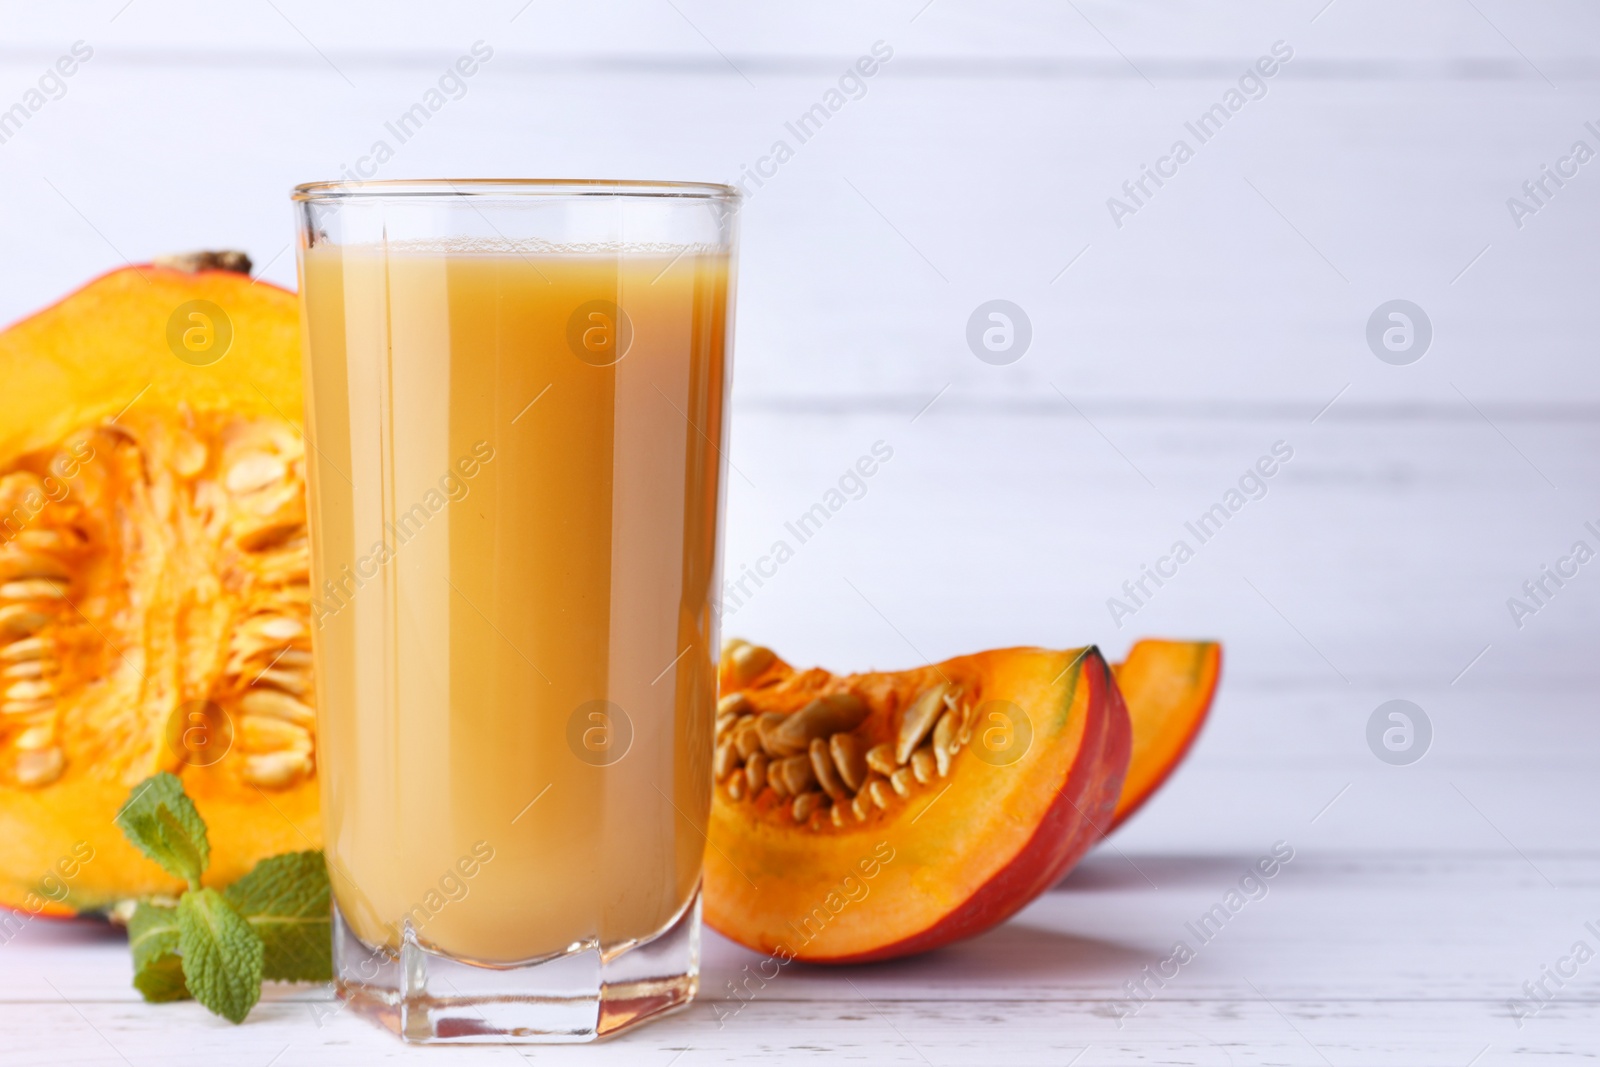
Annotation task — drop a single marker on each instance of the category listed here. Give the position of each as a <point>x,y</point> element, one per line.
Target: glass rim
<point>511,188</point>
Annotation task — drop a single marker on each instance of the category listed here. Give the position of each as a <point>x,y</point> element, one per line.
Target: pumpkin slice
<point>1168,686</point>
<point>868,816</point>
<point>153,578</point>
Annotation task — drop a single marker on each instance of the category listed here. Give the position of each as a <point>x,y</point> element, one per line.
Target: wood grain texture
<point>1377,166</point>
<point>1169,354</point>
<point>1361,957</point>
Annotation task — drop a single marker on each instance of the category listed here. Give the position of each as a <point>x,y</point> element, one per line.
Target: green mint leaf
<point>161,821</point>
<point>286,900</point>
<point>222,956</point>
<point>157,969</point>
<point>189,853</point>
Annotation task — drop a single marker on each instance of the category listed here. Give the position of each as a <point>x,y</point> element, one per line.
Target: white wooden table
<point>1374,957</point>
<point>1168,355</point>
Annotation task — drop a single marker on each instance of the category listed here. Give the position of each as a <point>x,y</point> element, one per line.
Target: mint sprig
<point>287,901</point>
<point>274,923</point>
<point>221,954</point>
<point>157,967</point>
<point>162,822</point>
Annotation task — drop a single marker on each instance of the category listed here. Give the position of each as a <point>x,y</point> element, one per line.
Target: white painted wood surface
<point>1168,355</point>
<point>1350,958</point>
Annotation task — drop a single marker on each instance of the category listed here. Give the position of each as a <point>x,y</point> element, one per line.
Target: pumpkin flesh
<point>153,586</point>
<point>1168,686</point>
<point>964,851</point>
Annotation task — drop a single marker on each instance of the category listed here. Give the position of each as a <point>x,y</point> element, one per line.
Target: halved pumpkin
<point>1168,686</point>
<point>869,816</point>
<point>153,578</point>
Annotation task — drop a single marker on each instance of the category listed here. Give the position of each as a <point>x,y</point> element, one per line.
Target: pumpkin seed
<point>284,567</point>
<point>923,765</point>
<point>861,806</point>
<point>724,724</point>
<point>257,434</point>
<point>749,662</point>
<point>34,589</point>
<point>776,782</point>
<point>827,774</point>
<point>902,781</point>
<point>276,704</point>
<point>189,458</point>
<point>289,681</point>
<point>767,725</point>
<point>735,704</point>
<point>16,562</point>
<point>725,759</point>
<point>283,505</point>
<point>736,785</point>
<point>880,758</point>
<point>944,735</point>
<point>747,735</point>
<point>28,668</point>
<point>21,620</point>
<point>46,541</point>
<point>276,559</point>
<point>879,791</point>
<point>253,471</point>
<point>279,627</point>
<point>918,720</point>
<point>298,658</point>
<point>36,737</point>
<point>848,757</point>
<point>30,689</point>
<point>275,770</point>
<point>258,733</point>
<point>804,805</point>
<point>835,713</point>
<point>755,772</point>
<point>275,542</point>
<point>794,773</point>
<point>247,642</point>
<point>26,649</point>
<point>836,813</point>
<point>39,768</point>
<point>26,707</point>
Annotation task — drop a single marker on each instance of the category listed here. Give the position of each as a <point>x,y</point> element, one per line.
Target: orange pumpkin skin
<point>158,599</point>
<point>964,852</point>
<point>86,356</point>
<point>1168,687</point>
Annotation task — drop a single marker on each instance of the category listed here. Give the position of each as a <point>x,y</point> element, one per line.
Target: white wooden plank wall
<point>1168,354</point>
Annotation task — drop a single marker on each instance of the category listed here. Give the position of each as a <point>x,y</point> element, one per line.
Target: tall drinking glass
<point>515,398</point>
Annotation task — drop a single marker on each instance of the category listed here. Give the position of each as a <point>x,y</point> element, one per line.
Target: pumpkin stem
<point>194,262</point>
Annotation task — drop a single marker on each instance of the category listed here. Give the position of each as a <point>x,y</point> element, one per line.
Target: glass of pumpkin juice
<point>515,413</point>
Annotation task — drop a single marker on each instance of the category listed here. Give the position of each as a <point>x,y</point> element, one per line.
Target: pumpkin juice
<point>514,468</point>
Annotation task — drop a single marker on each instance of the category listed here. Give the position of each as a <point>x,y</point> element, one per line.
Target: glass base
<point>582,995</point>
